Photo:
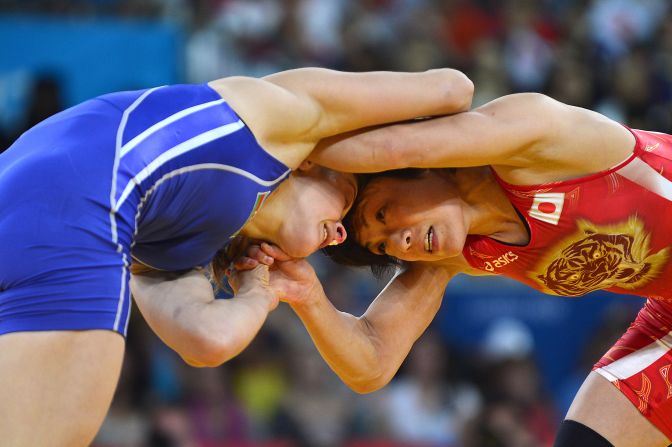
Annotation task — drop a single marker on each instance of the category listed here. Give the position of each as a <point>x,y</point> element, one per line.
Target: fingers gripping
<point>245,279</point>
<point>274,252</point>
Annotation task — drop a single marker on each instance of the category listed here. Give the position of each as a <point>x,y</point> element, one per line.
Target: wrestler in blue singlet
<point>166,175</point>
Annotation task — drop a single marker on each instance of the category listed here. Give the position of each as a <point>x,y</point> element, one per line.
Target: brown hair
<point>350,252</point>
<point>223,259</point>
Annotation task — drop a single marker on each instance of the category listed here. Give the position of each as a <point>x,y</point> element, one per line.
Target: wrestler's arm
<point>348,101</point>
<point>204,331</point>
<point>516,131</point>
<point>367,351</point>
<point>304,105</point>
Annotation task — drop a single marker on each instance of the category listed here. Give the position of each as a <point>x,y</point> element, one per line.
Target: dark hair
<point>350,252</point>
<point>223,259</point>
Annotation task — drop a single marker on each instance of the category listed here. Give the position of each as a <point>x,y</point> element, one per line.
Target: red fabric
<point>648,386</point>
<point>613,231</point>
<point>602,231</point>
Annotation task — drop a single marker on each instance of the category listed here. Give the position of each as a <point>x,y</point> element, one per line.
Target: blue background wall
<point>89,57</point>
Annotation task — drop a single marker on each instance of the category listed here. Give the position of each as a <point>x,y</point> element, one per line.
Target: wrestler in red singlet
<point>580,242</point>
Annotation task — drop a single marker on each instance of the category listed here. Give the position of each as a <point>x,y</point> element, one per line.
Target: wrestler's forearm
<point>235,322</point>
<point>344,342</point>
<point>379,148</point>
<point>185,315</point>
<point>366,352</point>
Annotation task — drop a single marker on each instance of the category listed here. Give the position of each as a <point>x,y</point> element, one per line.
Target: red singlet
<point>611,230</point>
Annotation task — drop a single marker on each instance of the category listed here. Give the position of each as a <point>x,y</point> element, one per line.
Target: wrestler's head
<point>407,215</point>
<point>305,212</point>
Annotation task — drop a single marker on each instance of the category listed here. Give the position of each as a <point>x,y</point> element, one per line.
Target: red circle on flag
<point>546,207</point>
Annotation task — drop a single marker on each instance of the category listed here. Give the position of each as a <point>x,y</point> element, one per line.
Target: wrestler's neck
<point>488,210</point>
<point>266,223</point>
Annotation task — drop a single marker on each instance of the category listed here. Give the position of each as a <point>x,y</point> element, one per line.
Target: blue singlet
<point>166,175</point>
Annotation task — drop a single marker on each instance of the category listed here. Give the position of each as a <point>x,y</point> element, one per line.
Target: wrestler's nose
<point>402,240</point>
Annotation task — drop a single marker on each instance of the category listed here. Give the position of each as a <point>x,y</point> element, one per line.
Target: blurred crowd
<point>613,56</point>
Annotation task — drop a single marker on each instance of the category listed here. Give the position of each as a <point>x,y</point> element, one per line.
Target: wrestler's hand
<point>293,280</point>
<point>254,280</point>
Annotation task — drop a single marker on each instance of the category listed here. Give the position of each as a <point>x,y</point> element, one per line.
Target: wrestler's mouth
<point>429,240</point>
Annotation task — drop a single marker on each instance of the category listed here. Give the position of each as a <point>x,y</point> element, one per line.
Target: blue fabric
<point>77,203</point>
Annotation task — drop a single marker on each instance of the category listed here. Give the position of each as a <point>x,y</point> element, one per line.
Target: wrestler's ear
<point>306,165</point>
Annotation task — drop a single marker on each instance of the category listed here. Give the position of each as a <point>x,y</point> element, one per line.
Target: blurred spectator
<point>631,89</point>
<point>261,383</point>
<point>507,338</point>
<point>572,82</point>
<point>215,414</point>
<point>466,24</point>
<point>317,403</point>
<point>319,36</point>
<point>500,424</point>
<point>528,56</point>
<point>487,74</point>
<point>429,404</point>
<point>171,428</point>
<point>45,100</point>
<point>517,411</point>
<point>617,25</point>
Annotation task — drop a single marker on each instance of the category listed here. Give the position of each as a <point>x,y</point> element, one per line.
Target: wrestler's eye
<point>380,215</point>
<point>574,277</point>
<point>381,248</point>
<point>597,255</point>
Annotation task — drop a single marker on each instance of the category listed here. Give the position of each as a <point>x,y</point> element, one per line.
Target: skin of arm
<point>526,132</point>
<point>204,331</point>
<point>290,111</point>
<point>348,101</point>
<point>365,352</point>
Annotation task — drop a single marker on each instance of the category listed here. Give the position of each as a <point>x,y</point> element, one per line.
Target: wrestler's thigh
<point>602,407</point>
<point>56,386</point>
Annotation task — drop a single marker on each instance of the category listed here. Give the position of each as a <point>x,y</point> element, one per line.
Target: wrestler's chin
<point>450,245</point>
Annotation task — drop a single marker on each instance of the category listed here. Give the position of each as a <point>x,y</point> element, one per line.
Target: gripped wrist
<point>313,298</point>
<point>261,295</point>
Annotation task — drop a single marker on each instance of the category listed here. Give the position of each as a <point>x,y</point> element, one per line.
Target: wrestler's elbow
<point>460,92</point>
<point>376,365</point>
<point>204,358</point>
<point>449,90</point>
<point>209,350</point>
<point>369,384</point>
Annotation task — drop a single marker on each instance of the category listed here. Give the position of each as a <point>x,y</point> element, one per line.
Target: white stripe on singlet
<point>176,151</point>
<point>113,193</point>
<point>637,361</point>
<point>117,156</point>
<point>639,172</point>
<point>126,148</point>
<point>120,303</point>
<point>128,309</point>
<point>202,167</point>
